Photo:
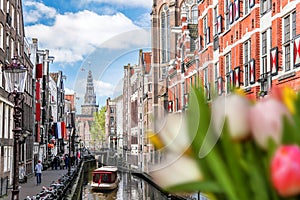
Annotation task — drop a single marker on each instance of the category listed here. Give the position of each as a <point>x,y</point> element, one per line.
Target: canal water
<point>130,188</point>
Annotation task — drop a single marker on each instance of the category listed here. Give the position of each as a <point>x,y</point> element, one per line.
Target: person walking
<point>38,172</point>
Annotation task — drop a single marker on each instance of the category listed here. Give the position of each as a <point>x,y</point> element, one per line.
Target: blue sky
<point>97,35</point>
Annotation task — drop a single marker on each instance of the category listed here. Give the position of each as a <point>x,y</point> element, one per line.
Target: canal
<point>130,188</point>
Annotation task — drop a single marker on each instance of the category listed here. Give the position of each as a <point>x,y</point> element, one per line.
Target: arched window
<point>194,15</point>
<point>165,31</point>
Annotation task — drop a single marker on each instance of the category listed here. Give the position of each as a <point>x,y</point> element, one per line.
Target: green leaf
<point>198,116</point>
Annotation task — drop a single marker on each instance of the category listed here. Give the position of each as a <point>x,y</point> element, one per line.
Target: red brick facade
<point>250,44</point>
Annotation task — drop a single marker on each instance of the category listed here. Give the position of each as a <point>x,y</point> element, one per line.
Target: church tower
<point>89,106</point>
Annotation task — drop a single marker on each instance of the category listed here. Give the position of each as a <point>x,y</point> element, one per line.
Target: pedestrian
<point>66,161</point>
<point>38,172</point>
<point>22,173</point>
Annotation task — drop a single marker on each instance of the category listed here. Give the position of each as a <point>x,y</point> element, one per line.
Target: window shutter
<point>252,71</point>
<point>274,61</point>
<point>236,9</point>
<point>232,78</point>
<point>297,52</point>
<point>231,13</point>
<point>237,77</point>
<point>170,106</point>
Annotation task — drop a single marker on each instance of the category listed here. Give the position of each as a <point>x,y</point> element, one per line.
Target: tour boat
<point>105,178</point>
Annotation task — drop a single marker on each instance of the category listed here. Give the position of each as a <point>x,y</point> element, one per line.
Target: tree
<point>98,126</point>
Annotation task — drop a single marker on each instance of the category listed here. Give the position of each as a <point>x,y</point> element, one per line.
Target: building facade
<point>13,44</point>
<point>223,44</point>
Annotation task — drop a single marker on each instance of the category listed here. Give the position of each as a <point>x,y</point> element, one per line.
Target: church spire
<point>90,96</point>
<point>89,106</point>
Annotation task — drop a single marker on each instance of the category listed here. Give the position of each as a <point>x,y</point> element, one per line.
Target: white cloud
<point>103,89</point>
<point>69,91</point>
<point>122,3</point>
<point>75,35</point>
<point>37,11</point>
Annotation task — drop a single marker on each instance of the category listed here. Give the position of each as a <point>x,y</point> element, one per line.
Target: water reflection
<point>130,188</point>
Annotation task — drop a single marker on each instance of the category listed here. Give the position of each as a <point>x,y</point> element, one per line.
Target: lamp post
<point>15,75</point>
<point>70,129</point>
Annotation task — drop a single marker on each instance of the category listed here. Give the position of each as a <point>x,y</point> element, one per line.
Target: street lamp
<point>70,129</point>
<point>15,75</point>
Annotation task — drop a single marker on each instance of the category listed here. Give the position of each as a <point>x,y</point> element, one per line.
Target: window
<point>165,34</point>
<point>227,71</point>
<point>7,158</point>
<point>1,4</point>
<point>265,6</point>
<point>206,31</point>
<point>12,45</point>
<point>7,7</point>
<point>264,49</point>
<point>1,120</point>
<point>18,23</point>
<point>246,7</point>
<point>226,11</point>
<point>216,75</point>
<point>194,13</point>
<point>216,20</point>
<point>1,37</point>
<point>7,47</point>
<point>289,32</point>
<point>6,120</point>
<point>247,57</point>
<point>12,16</point>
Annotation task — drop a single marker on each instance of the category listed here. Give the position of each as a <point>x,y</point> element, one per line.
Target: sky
<point>98,35</point>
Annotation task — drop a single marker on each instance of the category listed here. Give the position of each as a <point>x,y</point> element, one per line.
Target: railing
<point>68,187</point>
<point>3,185</point>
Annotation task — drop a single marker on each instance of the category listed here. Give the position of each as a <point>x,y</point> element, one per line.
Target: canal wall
<point>87,165</point>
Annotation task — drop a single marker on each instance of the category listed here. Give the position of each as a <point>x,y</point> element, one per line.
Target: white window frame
<point>216,75</point>
<point>226,14</point>
<point>1,119</point>
<point>12,47</point>
<point>246,61</point>
<point>165,33</point>
<point>194,14</point>
<point>7,164</point>
<point>264,53</point>
<point>287,41</point>
<point>12,16</point>
<point>216,14</point>
<point>246,7</point>
<point>205,26</point>
<point>227,66</point>
<point>265,6</point>
<point>6,121</point>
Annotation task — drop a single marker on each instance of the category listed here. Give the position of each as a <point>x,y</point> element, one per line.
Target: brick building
<point>252,45</point>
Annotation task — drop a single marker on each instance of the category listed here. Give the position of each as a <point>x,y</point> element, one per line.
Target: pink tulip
<point>285,170</point>
<point>235,108</point>
<point>266,120</point>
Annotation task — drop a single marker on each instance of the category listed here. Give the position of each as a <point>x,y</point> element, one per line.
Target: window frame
<point>289,34</point>
<point>246,60</point>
